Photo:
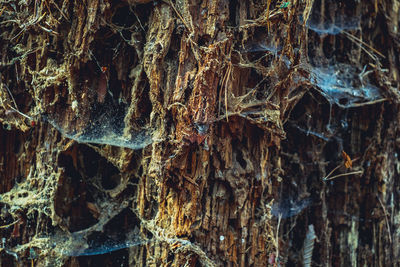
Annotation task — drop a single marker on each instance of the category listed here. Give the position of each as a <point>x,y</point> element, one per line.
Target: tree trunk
<point>190,133</point>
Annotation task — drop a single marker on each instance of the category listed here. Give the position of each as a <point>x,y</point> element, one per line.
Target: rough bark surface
<point>188,133</point>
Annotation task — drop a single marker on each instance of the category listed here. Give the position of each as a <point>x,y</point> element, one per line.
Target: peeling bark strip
<point>213,133</point>
<point>308,246</point>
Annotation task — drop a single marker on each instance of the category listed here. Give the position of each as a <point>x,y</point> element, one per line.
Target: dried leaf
<point>347,160</point>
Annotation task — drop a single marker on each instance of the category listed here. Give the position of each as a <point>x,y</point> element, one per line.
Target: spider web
<point>104,125</point>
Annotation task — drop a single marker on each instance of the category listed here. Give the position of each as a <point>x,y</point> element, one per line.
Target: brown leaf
<point>347,160</point>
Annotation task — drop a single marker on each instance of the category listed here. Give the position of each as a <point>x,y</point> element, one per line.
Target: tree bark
<point>190,133</point>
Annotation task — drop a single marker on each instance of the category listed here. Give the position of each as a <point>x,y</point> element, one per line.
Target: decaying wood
<point>185,133</point>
